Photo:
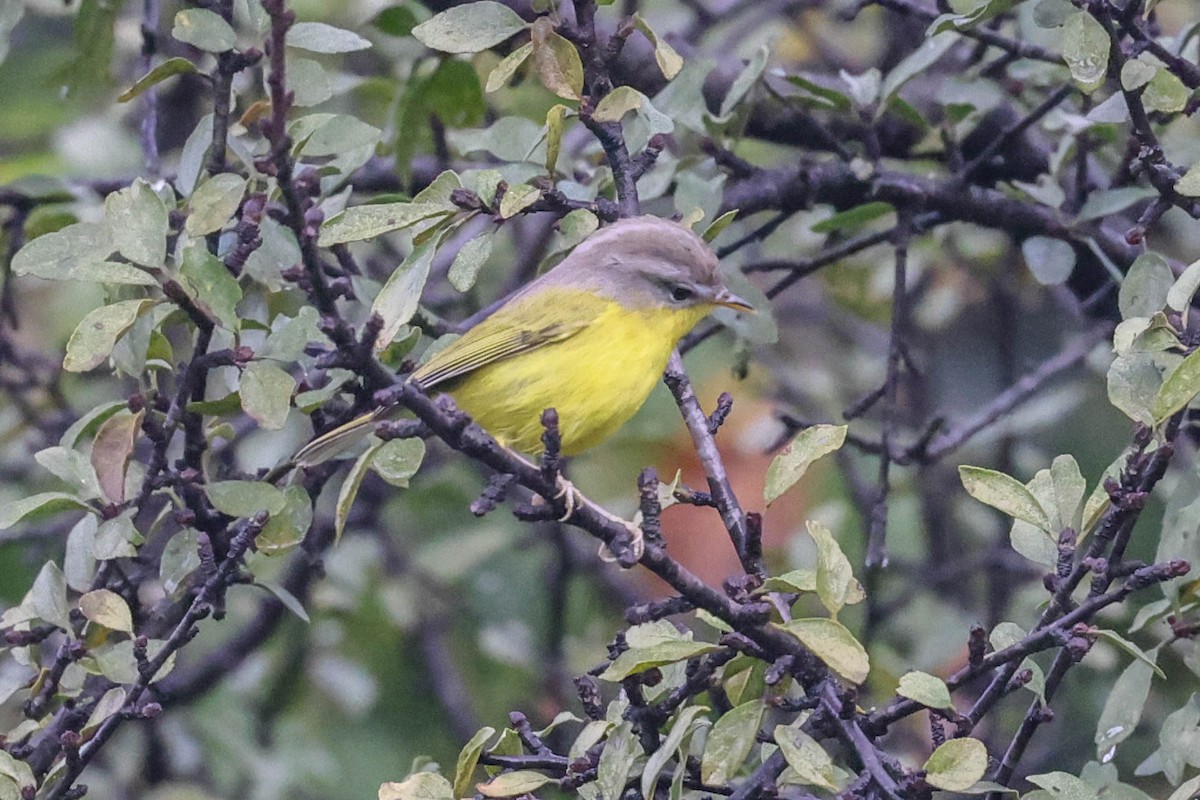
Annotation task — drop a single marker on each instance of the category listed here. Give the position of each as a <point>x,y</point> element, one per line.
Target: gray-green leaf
<point>791,464</point>
<point>469,28</point>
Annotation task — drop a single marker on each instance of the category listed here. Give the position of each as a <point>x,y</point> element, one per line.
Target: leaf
<point>669,62</point>
<point>399,298</point>
<point>1165,93</point>
<point>517,199</point>
<point>71,467</point>
<point>1136,73</point>
<point>810,762</point>
<point>1146,287</point>
<point>418,786</point>
<point>928,690</point>
<point>1085,48</point>
<point>503,72</point>
<point>94,338</point>
<point>685,722</point>
<point>79,562</point>
<point>286,529</point>
<point>956,765</point>
<point>310,82</point>
<point>836,585</point>
<point>76,253</point>
<point>1179,296</point>
<point>366,222</point>
<point>718,225</point>
<point>204,29</point>
<point>1123,708</point>
<point>854,218</point>
<point>1004,493</point>
<point>167,69</point>
<point>512,784</point>
<point>137,224</point>
<point>554,131</point>
<point>110,703</point>
<point>640,659</point>
<point>107,608</point>
<point>1063,786</point>
<point>1132,649</point>
<point>557,60</point>
<point>116,538</point>
<point>915,63</point>
<point>616,759</point>
<point>266,392</point>
<point>287,341</point>
<point>744,82</point>
<point>317,37</point>
<point>729,742</point>
<point>111,451</point>
<point>790,465</point>
<point>1179,388</point>
<point>468,261</point>
<point>469,28</point>
<point>1187,790</point>
<point>180,559</point>
<point>1189,184</point>
<point>1133,385</point>
<point>244,498</point>
<point>397,460</point>
<point>37,506</point>
<point>48,597</point>
<point>1112,201</point>
<point>349,490</point>
<point>468,758</point>
<point>1050,260</point>
<point>214,202</point>
<point>214,290</point>
<point>831,642</point>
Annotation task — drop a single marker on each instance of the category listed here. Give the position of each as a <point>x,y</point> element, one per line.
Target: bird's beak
<point>728,299</point>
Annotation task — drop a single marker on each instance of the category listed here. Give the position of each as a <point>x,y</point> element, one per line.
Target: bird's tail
<point>335,442</point>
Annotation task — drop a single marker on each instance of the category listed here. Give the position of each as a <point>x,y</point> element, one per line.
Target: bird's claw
<point>570,496</point>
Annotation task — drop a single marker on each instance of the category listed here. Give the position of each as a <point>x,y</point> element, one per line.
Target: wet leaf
<point>97,333</point>
<point>1179,388</point>
<point>397,460</point>
<point>209,283</point>
<point>790,465</point>
<point>640,659</point>
<point>836,585</point>
<point>1123,708</point>
<point>831,642</point>
<point>468,261</point>
<point>811,764</point>
<point>366,222</point>
<point>729,742</point>
<point>1085,48</point>
<point>266,393</point>
<point>503,72</point>
<point>1004,493</point>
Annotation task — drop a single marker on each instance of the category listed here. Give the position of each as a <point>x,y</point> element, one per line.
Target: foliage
<point>937,213</point>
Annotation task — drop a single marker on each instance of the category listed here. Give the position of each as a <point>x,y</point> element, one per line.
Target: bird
<point>589,338</point>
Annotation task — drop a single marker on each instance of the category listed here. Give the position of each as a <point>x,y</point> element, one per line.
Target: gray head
<point>647,262</point>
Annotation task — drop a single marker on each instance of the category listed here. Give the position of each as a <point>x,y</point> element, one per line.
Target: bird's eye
<point>681,293</point>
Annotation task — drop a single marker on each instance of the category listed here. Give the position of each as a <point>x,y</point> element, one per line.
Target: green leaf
<point>48,596</point>
<point>503,72</point>
<point>468,261</point>
<point>204,29</point>
<point>79,561</point>
<point>244,498</point>
<point>915,63</point>
<point>684,724</point>
<point>317,37</point>
<point>517,199</point>
<point>287,528</point>
<point>1146,287</point>
<point>557,60</point>
<point>1136,73</point>
<point>512,784</point>
<point>397,460</point>
<point>167,69</point>
<point>469,28</point>
<point>110,703</point>
<point>468,758</point>
<point>71,467</point>
<point>1133,650</point>
<point>1004,493</point>
<point>1085,48</point>
<point>811,764</point>
<point>669,62</point>
<point>349,489</point>
<point>836,585</point>
<point>854,218</point>
<point>1189,184</point>
<point>1050,260</point>
<point>310,82</point>
<point>266,392</point>
<point>1165,93</point>
<point>790,465</point>
<point>76,253</point>
<point>97,333</point>
<point>37,506</point>
<point>744,82</point>
<point>620,751</point>
<point>1123,708</point>
<point>180,559</point>
<point>718,225</point>
<point>1179,296</point>
<point>1134,381</point>
<point>617,103</point>
<point>287,341</point>
<point>107,608</point>
<point>729,742</point>
<point>366,222</point>
<point>116,538</point>
<point>818,95</point>
<point>831,642</point>
<point>418,786</point>
<point>1187,790</point>
<point>640,659</point>
<point>1179,388</point>
<point>1063,786</point>
<point>956,765</point>
<point>214,202</point>
<point>210,285</point>
<point>554,131</point>
<point>137,224</point>
<point>1112,201</point>
<point>397,301</point>
<point>928,690</point>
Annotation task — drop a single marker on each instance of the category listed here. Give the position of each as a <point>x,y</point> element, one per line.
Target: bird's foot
<point>570,496</point>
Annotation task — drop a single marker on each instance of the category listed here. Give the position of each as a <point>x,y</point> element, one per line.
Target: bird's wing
<point>495,339</point>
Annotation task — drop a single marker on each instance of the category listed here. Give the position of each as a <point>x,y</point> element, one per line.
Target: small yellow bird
<point>590,338</point>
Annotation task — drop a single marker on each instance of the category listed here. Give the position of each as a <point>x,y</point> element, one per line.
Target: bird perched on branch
<point>590,338</point>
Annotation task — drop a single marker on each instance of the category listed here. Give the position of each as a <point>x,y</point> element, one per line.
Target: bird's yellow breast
<point>596,379</point>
